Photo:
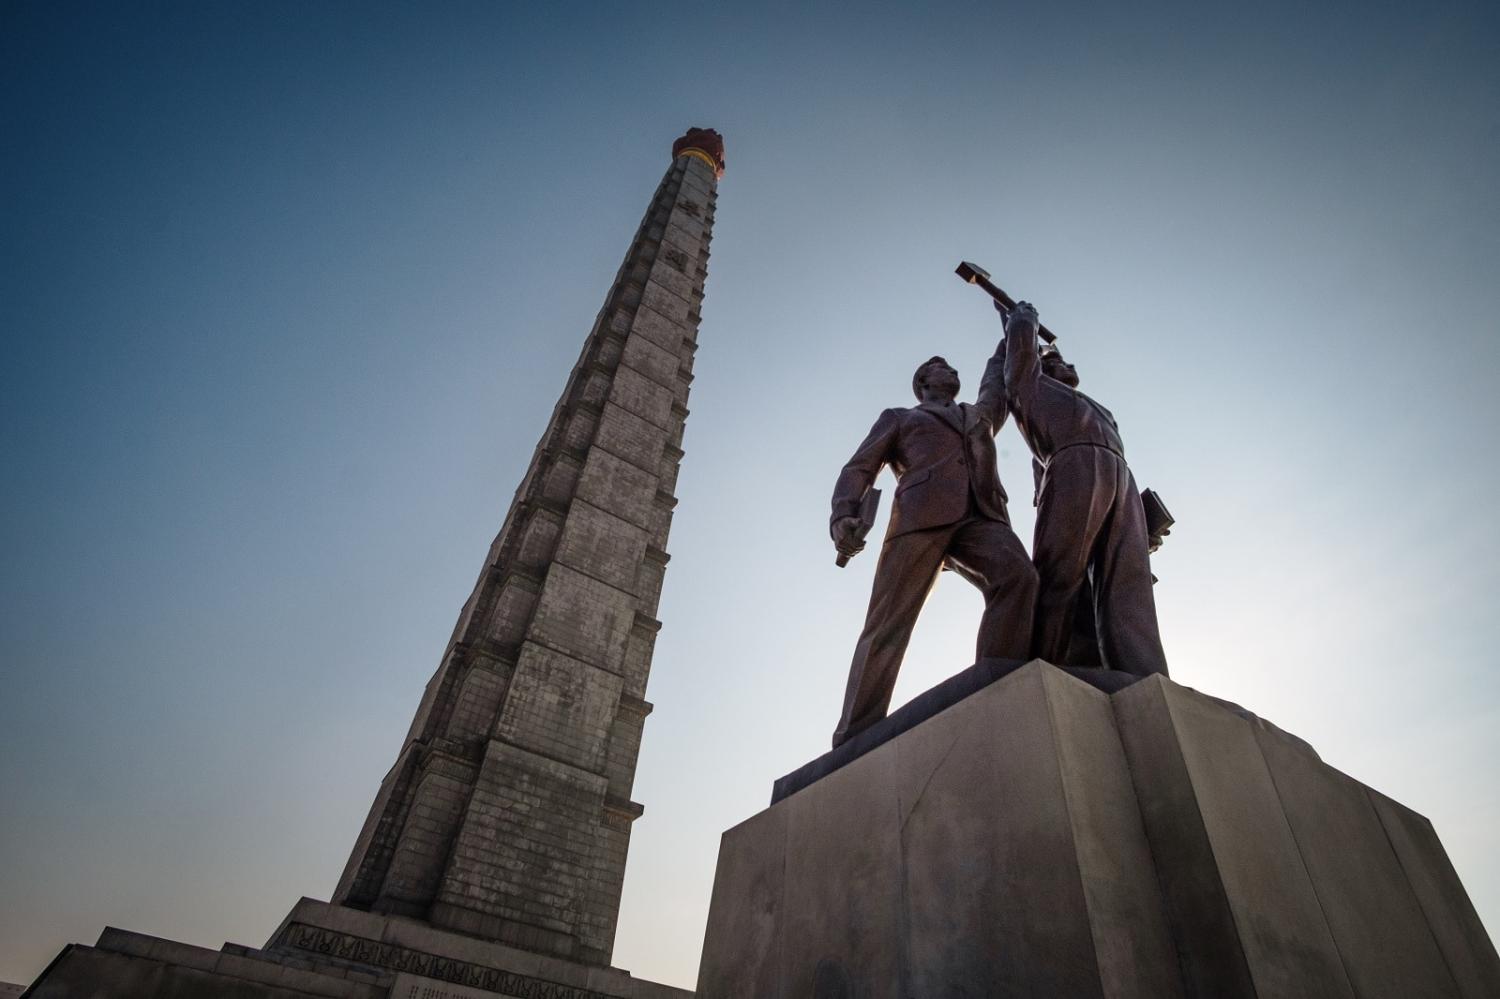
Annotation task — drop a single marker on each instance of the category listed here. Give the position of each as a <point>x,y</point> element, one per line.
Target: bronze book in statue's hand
<point>868,507</point>
<point>1158,521</point>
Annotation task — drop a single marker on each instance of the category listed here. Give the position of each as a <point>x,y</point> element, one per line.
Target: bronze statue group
<point>1081,598</point>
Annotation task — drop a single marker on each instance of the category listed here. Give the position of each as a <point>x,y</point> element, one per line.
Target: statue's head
<point>935,376</point>
<point>1053,366</point>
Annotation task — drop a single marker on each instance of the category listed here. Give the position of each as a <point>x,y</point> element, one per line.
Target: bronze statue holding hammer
<point>1092,542</point>
<point>1094,534</point>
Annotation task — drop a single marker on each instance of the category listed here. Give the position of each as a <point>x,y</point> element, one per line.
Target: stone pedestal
<point>1043,837</point>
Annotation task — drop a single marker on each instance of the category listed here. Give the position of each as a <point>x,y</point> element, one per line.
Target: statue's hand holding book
<point>849,532</point>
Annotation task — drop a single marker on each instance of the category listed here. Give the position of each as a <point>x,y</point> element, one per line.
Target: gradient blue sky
<point>288,291</point>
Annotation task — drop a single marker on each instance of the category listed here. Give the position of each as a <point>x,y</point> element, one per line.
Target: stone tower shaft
<point>507,815</point>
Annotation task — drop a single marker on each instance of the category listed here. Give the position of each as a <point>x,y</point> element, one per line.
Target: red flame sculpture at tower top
<point>703,140</point>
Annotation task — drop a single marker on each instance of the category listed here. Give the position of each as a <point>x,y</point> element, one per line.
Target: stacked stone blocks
<point>508,813</point>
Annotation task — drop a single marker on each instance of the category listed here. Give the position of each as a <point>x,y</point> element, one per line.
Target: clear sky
<point>288,291</point>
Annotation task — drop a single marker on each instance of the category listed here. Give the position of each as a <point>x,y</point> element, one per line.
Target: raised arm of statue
<point>992,402</point>
<point>860,471</point>
<point>1023,366</point>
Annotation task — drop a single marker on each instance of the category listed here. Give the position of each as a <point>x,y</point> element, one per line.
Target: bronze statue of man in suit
<point>949,506</point>
<point>1091,546</point>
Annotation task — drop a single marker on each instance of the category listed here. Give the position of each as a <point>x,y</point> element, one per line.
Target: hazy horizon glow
<point>289,292</point>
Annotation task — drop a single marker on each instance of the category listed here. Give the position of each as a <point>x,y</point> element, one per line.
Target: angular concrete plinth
<point>330,950</point>
<point>1044,838</point>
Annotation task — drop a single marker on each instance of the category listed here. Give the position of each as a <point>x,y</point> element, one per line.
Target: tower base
<point>1044,837</point>
<point>332,951</point>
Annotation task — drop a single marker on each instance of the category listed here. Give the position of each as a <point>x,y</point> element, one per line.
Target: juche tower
<point>507,814</point>
<point>492,860</point>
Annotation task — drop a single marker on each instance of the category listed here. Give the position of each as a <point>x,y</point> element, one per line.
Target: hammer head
<point>972,272</point>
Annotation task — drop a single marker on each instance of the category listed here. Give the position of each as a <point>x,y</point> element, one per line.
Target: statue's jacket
<point>1050,415</point>
<point>941,456</point>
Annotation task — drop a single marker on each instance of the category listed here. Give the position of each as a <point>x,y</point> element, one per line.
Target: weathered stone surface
<point>661,300</point>
<point>481,692</point>
<point>515,599</point>
<point>742,949</point>
<point>690,243</point>
<point>559,478</point>
<point>990,850</point>
<point>625,435</point>
<point>624,747</point>
<point>637,665</point>
<point>637,394</point>
<point>1377,925</point>
<point>1467,948</point>
<point>126,965</point>
<point>1241,905</point>
<point>951,860</point>
<point>820,927</point>
<point>662,330</point>
<point>331,951</point>
<point>524,853</point>
<point>583,617</point>
<point>690,222</point>
<point>615,485</point>
<point>405,952</point>
<point>1127,920</point>
<point>674,272</point>
<point>416,865</point>
<point>560,707</point>
<point>600,544</point>
<point>652,360</point>
<point>649,580</point>
<point>700,183</point>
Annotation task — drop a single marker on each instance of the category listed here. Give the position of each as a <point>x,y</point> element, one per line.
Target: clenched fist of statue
<point>845,532</point>
<point>1024,312</point>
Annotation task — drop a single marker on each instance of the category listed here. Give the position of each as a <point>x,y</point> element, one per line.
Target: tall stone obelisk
<point>492,860</point>
<point>507,814</point>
